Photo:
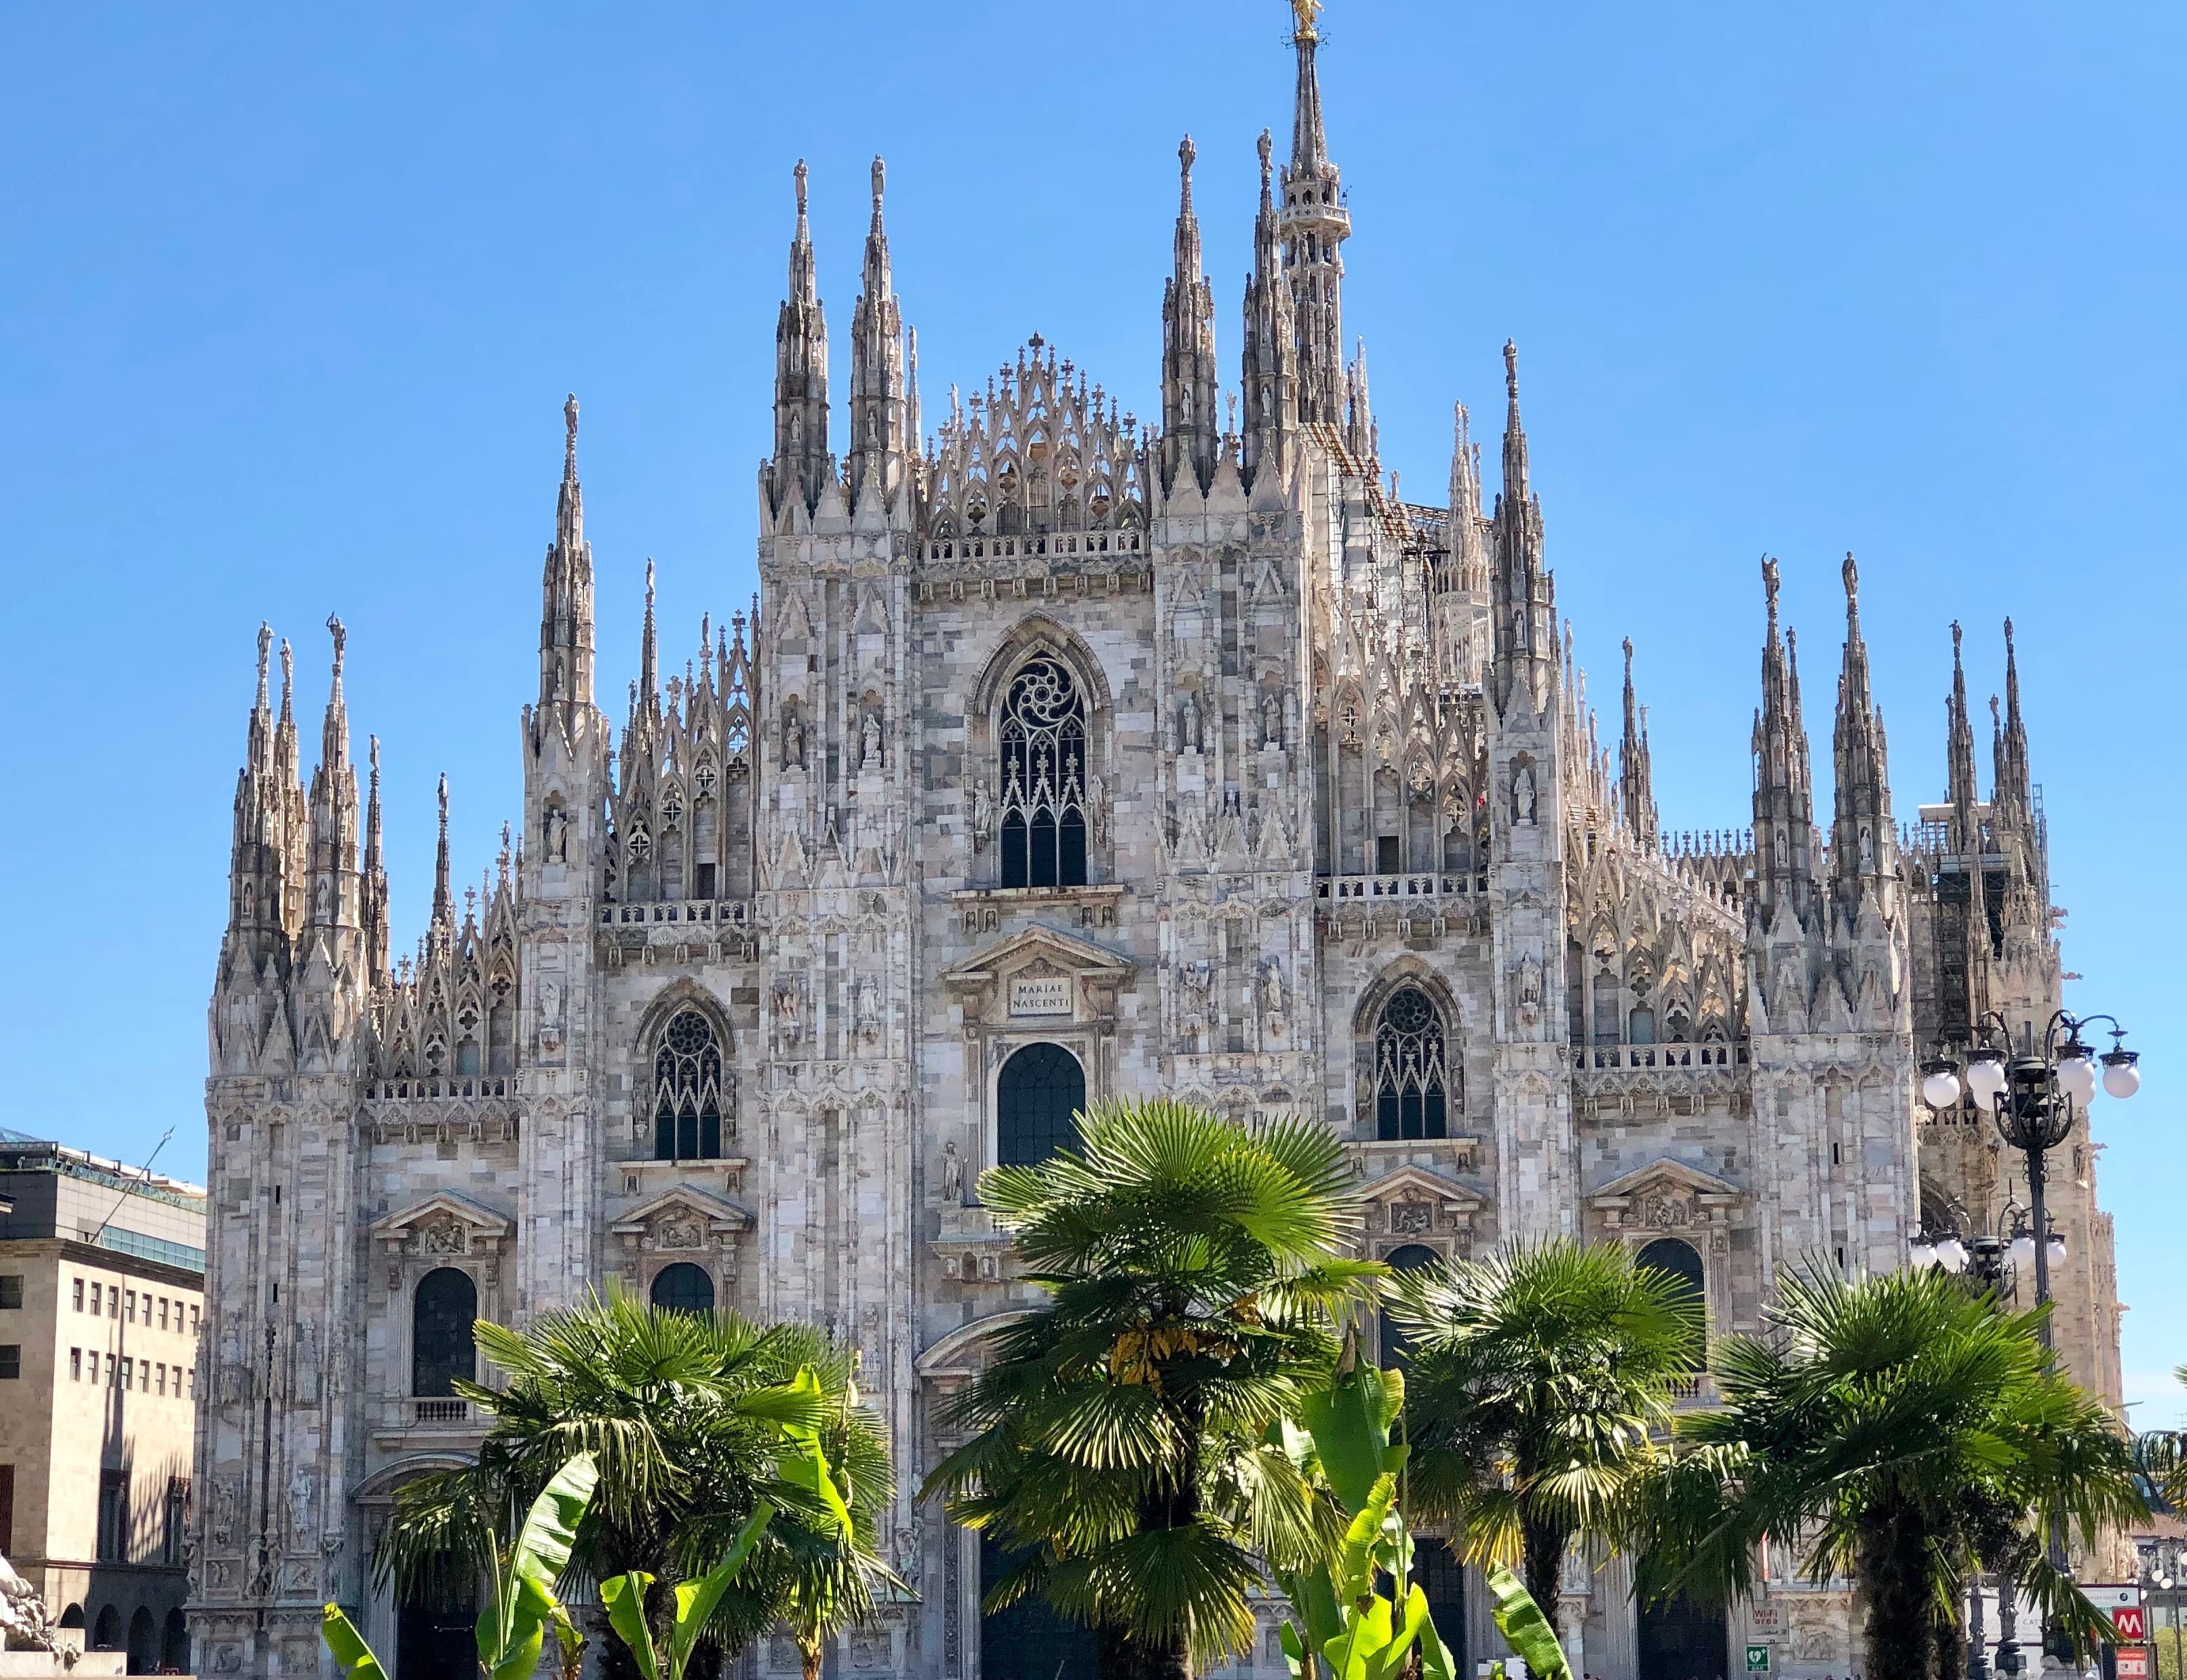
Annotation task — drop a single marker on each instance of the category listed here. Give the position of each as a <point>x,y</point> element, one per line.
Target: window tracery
<point>1410,1075</point>
<point>687,1090</point>
<point>1044,778</point>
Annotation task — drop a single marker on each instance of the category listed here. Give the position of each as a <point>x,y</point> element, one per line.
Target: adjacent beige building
<point>102,1279</point>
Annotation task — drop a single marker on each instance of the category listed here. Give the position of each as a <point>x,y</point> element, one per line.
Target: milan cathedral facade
<point>1064,758</point>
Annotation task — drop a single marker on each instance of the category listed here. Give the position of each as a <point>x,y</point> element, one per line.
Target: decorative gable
<point>683,1222</point>
<point>1412,1203</point>
<point>1668,1196</point>
<point>444,1223</point>
<point>1039,975</point>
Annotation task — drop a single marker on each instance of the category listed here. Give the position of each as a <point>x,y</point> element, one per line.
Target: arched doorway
<point>1028,1641</point>
<point>175,1645</point>
<point>1680,1640</point>
<point>436,1640</point>
<point>441,1346</point>
<point>1037,1097</point>
<point>683,1288</point>
<point>1397,1346</point>
<point>106,1630</point>
<point>144,1641</point>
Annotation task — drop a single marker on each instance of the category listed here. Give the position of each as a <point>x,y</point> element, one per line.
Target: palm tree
<point>1541,1375</point>
<point>685,1414</point>
<point>1120,1435</point>
<point>1902,1431</point>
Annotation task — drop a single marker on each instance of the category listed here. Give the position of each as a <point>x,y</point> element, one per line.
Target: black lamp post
<point>2033,1095</point>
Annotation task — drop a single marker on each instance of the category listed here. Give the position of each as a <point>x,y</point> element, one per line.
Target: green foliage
<point>512,1630</point>
<point>1542,1377</point>
<point>695,1423</point>
<point>351,1653</point>
<point>1342,1616</point>
<point>1121,1438</point>
<point>1525,1628</point>
<point>1902,1431</point>
<point>691,1607</point>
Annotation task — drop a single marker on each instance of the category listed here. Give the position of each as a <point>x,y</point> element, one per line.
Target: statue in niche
<point>788,1029</point>
<point>1526,990</point>
<point>555,825</point>
<point>308,1363</point>
<point>869,742</point>
<point>1188,722</point>
<point>550,1013</point>
<point>952,1174</point>
<point>303,1501</point>
<point>793,740</point>
<point>234,1374</point>
<point>1272,991</point>
<point>227,1499</point>
<point>1522,791</point>
<point>1272,721</point>
<point>983,814</point>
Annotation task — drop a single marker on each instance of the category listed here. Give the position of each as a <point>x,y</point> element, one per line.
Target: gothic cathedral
<point>1063,758</point>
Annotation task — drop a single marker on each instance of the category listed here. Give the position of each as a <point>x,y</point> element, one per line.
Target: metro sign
<point>2122,1604</point>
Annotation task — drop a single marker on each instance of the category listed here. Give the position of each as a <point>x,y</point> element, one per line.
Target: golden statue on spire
<point>1303,12</point>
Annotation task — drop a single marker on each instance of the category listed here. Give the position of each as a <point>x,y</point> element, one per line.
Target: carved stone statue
<point>555,824</point>
<point>308,1363</point>
<point>793,741</point>
<point>983,814</point>
<point>1522,792</point>
<point>1272,721</point>
<point>952,1174</point>
<point>303,1502</point>
<point>870,743</point>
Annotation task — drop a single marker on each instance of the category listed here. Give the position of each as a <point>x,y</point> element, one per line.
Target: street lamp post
<point>2033,1095</point>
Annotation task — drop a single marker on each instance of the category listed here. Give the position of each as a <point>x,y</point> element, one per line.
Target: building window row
<point>112,1301</point>
<point>154,1377</point>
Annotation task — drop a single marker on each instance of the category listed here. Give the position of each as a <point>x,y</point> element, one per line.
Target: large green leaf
<point>512,1632</point>
<point>695,1599</point>
<point>1346,1421</point>
<point>1354,1575</point>
<point>624,1598</point>
<point>1525,1629</point>
<point>348,1646</point>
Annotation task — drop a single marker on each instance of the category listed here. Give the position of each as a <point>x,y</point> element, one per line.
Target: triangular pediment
<point>1663,1174</point>
<point>444,1207</point>
<point>685,1202</point>
<point>1057,953</point>
<point>1415,1184</point>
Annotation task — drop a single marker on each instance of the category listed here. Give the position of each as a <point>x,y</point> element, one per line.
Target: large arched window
<point>687,1090</point>
<point>441,1346</point>
<point>1041,1091</point>
<point>1396,1345</point>
<point>1043,776</point>
<point>1682,1261</point>
<point>683,1288</point>
<point>1409,1075</point>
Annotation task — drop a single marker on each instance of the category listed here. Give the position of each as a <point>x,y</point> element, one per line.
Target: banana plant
<point>624,1598</point>
<point>512,1630</point>
<point>1345,1621</point>
<point>1525,1628</point>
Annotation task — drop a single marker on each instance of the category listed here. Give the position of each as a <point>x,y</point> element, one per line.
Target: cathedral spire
<point>1784,802</point>
<point>443,903</point>
<point>1191,430</point>
<point>1315,224</point>
<point>1362,437</point>
<point>881,437</point>
<point>1863,839</point>
<point>1269,356</point>
<point>1962,791</point>
<point>648,652</point>
<point>1635,771</point>
<point>802,462</point>
<point>334,809</point>
<point>565,587</point>
<point>373,886</point>
<point>1522,596</point>
<point>2012,793</point>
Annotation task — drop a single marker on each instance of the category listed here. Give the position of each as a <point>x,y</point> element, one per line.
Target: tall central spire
<point>1784,799</point>
<point>801,461</point>
<point>566,611</point>
<point>879,437</point>
<point>1189,429</point>
<point>1315,225</point>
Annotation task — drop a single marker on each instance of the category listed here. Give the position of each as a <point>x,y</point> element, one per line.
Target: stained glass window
<point>1408,1068</point>
<point>686,1091</point>
<point>1044,778</point>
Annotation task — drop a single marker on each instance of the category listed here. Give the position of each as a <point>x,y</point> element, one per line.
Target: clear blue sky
<point>289,298</point>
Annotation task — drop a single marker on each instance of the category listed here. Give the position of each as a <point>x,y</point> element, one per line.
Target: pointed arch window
<point>687,1090</point>
<point>1043,776</point>
<point>1410,1077</point>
